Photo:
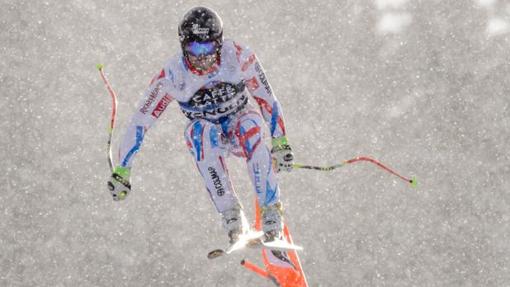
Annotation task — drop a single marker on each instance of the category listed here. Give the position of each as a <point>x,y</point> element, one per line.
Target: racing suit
<point>222,120</point>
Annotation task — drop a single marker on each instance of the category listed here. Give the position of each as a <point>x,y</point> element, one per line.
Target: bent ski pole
<point>412,181</point>
<point>114,112</point>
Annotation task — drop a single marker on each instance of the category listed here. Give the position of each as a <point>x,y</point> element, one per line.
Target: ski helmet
<point>201,24</point>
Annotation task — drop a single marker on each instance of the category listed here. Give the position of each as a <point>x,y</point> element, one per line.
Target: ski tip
<point>413,182</point>
<point>99,66</point>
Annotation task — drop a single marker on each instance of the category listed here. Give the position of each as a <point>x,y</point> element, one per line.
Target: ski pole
<point>114,112</point>
<point>412,181</point>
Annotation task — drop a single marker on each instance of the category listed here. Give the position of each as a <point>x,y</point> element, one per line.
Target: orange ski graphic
<point>283,268</point>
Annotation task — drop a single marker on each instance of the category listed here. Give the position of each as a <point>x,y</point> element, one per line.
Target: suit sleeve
<point>261,91</point>
<point>154,102</point>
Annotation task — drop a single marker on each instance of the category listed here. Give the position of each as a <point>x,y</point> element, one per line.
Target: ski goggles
<point>201,48</point>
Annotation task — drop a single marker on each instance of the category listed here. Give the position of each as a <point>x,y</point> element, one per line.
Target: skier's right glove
<point>119,185</point>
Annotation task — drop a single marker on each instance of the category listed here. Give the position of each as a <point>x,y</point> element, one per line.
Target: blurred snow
<point>393,22</point>
<point>421,85</point>
<point>384,4</point>
<point>486,3</point>
<point>497,26</point>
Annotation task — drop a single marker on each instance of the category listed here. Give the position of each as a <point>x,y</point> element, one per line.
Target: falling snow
<point>421,85</point>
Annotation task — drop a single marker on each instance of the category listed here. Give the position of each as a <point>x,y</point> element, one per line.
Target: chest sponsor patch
<point>213,94</point>
<point>215,100</point>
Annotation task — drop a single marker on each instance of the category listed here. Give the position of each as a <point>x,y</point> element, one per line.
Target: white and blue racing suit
<point>222,121</point>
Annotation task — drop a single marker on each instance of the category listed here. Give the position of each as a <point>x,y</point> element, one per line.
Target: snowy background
<point>421,85</point>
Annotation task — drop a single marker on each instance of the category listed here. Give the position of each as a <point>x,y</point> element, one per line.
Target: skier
<point>212,79</point>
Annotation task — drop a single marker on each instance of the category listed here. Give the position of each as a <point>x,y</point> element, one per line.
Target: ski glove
<point>118,184</point>
<point>283,158</point>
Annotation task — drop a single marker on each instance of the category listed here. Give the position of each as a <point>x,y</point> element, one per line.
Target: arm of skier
<point>154,102</point>
<point>258,85</point>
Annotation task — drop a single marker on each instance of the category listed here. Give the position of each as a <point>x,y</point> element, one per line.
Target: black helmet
<point>201,24</point>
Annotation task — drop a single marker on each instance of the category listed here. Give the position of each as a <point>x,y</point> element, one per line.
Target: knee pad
<point>249,133</point>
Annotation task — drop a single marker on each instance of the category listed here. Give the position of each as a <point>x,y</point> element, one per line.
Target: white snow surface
<point>431,100</point>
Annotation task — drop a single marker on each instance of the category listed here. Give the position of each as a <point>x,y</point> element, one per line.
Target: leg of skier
<point>249,134</point>
<point>203,140</point>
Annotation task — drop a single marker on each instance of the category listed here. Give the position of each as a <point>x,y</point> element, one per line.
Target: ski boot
<point>235,223</point>
<point>272,223</point>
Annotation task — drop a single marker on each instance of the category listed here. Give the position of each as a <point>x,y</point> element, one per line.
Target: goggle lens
<point>201,48</point>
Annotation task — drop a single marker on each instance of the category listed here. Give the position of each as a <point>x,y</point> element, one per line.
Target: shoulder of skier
<point>170,76</point>
<point>244,55</point>
<point>163,88</point>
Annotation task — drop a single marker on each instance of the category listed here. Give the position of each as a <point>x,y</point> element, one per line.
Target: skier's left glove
<point>283,158</point>
<point>119,185</point>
